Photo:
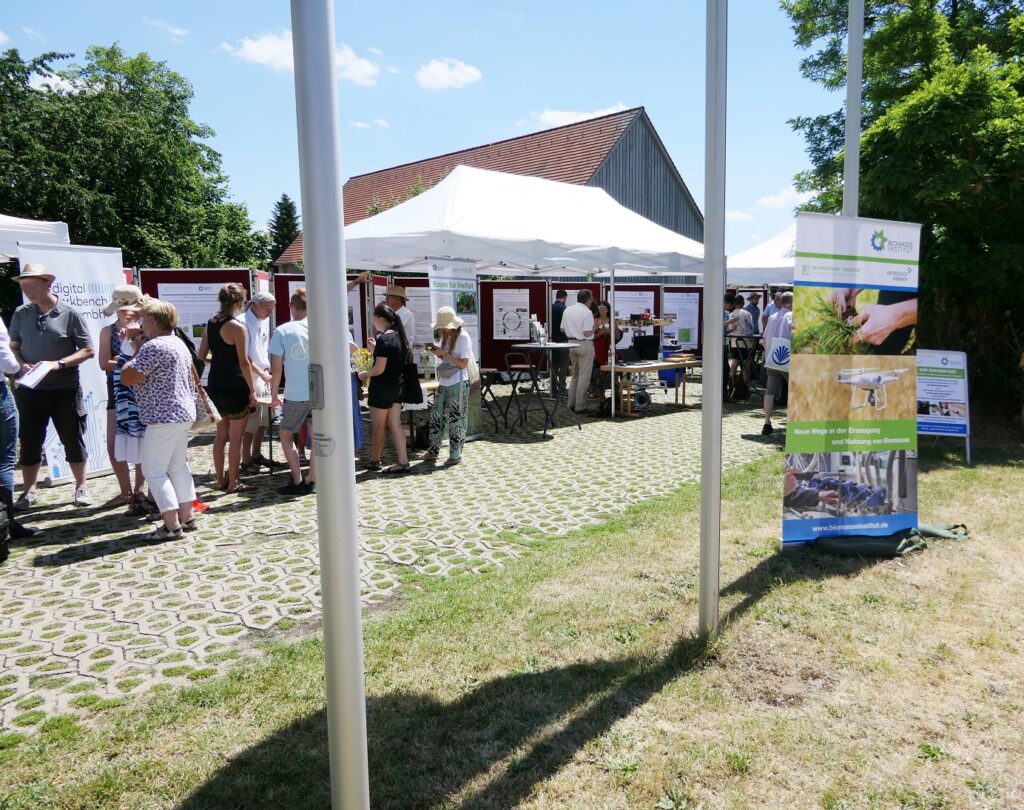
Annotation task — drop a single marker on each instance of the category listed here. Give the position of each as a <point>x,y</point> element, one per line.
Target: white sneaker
<point>82,498</point>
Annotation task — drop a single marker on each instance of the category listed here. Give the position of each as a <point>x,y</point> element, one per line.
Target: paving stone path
<point>91,612</point>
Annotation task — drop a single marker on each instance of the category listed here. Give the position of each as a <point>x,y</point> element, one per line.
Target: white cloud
<point>175,33</point>
<point>4,38</point>
<point>559,118</point>
<point>381,123</point>
<point>359,124</point>
<point>788,197</point>
<point>275,52</point>
<point>375,51</point>
<point>354,68</point>
<point>31,33</point>
<point>271,50</point>
<point>392,70</point>
<point>738,216</point>
<point>440,74</point>
<point>56,84</point>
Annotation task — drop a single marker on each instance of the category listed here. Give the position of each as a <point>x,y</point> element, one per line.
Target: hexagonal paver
<point>88,618</point>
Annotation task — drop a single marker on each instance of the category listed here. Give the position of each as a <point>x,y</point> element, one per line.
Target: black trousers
<point>36,409</point>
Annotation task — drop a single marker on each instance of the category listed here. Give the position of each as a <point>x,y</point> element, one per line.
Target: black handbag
<point>412,394</point>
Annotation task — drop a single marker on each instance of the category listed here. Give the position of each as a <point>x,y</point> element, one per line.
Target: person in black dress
<point>230,383</point>
<point>390,352</point>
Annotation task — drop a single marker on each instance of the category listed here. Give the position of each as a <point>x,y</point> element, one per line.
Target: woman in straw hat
<point>451,402</point>
<point>124,302</point>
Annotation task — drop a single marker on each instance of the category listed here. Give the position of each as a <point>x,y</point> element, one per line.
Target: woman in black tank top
<point>229,384</point>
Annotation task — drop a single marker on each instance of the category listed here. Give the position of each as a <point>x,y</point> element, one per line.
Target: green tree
<point>283,226</point>
<point>109,147</point>
<point>942,144</point>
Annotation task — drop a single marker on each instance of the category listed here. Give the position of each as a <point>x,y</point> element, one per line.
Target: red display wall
<point>492,352</point>
<point>149,279</point>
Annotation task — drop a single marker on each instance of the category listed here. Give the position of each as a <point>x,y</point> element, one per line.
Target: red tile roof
<point>569,154</point>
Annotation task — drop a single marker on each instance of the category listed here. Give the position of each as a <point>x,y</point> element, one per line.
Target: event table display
<point>625,375</point>
<point>556,395</point>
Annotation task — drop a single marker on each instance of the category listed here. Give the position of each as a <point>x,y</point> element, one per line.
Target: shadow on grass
<point>517,730</point>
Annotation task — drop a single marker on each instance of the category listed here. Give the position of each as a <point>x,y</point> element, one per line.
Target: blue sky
<point>419,79</point>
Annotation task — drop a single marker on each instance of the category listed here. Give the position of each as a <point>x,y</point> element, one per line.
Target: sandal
<point>372,465</point>
<point>452,462</point>
<point>241,486</point>
<point>119,500</point>
<point>396,469</point>
<point>163,533</point>
<point>189,525</point>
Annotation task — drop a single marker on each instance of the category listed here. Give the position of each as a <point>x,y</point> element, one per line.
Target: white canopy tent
<point>14,230</point>
<point>516,225</point>
<point>770,262</point>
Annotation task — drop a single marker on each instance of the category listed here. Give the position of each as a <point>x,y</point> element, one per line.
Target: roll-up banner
<point>453,284</point>
<point>851,437</point>
<point>84,279</point>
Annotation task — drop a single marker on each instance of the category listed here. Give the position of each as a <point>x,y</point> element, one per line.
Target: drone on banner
<point>868,386</point>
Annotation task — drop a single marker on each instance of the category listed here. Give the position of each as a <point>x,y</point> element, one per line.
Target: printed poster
<point>942,404</point>
<point>629,302</point>
<point>851,439</point>
<point>512,314</point>
<point>453,284</point>
<point>685,307</point>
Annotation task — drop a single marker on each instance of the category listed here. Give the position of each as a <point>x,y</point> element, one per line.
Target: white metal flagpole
<point>330,389</point>
<point>714,289</point>
<point>854,79</point>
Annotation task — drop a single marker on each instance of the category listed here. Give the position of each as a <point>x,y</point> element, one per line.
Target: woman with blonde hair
<point>451,401</point>
<point>230,383</point>
<point>161,375</point>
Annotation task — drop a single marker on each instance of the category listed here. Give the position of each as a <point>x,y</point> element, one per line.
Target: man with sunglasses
<point>47,331</point>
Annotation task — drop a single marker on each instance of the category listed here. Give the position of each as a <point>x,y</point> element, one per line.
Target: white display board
<point>628,302</point>
<point>355,308</point>
<point>85,278</point>
<point>685,308</point>
<point>512,314</point>
<point>943,407</point>
<point>418,303</point>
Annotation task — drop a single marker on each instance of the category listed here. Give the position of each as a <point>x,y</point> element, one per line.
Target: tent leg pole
<point>316,104</point>
<point>613,343</point>
<point>714,287</point>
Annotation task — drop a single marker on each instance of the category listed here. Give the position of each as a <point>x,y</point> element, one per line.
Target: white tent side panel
<point>770,262</point>
<point>14,230</point>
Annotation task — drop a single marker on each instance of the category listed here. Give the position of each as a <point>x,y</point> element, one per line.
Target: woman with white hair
<point>451,401</point>
<point>161,374</point>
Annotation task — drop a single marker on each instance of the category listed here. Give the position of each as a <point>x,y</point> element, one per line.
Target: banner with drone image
<point>851,436</point>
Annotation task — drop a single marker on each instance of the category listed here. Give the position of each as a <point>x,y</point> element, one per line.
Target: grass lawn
<point>571,678</point>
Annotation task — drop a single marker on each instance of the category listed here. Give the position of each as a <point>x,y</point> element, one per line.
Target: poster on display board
<point>942,404</point>
<point>453,284</point>
<point>685,308</point>
<point>511,314</point>
<point>629,302</point>
<point>851,441</point>
<point>419,304</point>
<point>355,308</point>
<point>85,278</point>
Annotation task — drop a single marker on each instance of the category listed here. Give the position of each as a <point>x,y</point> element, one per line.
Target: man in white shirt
<point>396,298</point>
<point>739,326</point>
<point>771,309</point>
<point>257,325</point>
<point>780,325</point>
<point>578,327</point>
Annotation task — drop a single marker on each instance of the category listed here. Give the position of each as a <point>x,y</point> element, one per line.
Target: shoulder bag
<point>207,414</point>
<point>412,393</point>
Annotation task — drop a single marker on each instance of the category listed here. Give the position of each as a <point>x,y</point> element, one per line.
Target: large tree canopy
<point>942,144</point>
<point>109,148</point>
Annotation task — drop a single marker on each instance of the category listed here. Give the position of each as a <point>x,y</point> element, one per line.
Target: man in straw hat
<point>396,298</point>
<point>45,331</point>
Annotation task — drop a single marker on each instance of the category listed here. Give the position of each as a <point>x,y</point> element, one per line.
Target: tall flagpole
<point>714,289</point>
<point>316,104</point>
<point>854,79</point>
